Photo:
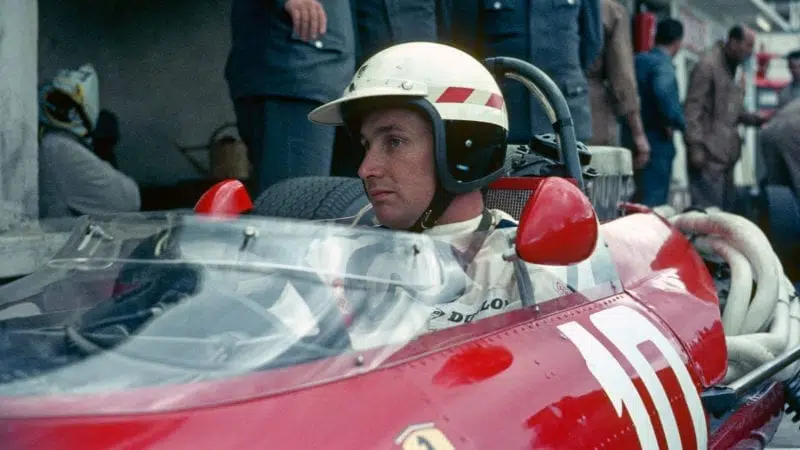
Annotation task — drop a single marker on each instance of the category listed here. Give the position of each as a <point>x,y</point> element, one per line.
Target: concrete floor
<point>788,436</point>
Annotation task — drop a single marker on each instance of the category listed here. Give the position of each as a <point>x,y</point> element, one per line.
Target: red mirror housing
<point>558,225</point>
<point>226,198</point>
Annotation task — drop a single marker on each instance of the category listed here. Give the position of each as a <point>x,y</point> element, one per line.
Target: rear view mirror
<point>224,199</point>
<point>558,225</point>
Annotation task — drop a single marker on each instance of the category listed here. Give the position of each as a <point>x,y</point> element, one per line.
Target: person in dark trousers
<point>561,37</point>
<point>287,58</point>
<point>661,113</point>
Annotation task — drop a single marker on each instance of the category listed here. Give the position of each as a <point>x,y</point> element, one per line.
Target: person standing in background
<point>714,109</point>
<point>561,37</point>
<point>661,113</point>
<point>780,145</point>
<point>287,58</point>
<point>383,23</point>
<point>612,85</point>
<point>791,91</point>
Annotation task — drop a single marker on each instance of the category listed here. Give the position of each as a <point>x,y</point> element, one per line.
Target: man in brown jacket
<point>612,85</point>
<point>714,108</point>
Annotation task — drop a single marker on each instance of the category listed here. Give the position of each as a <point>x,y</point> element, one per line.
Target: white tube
<point>759,348</point>
<point>665,211</point>
<point>794,340</point>
<point>744,236</point>
<point>747,352</point>
<point>734,372</point>
<point>781,323</point>
<point>738,300</point>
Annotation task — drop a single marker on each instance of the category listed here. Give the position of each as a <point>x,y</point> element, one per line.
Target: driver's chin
<point>392,217</point>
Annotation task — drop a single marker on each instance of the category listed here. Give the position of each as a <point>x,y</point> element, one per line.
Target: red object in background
<point>644,31</point>
<point>226,198</point>
<point>767,90</point>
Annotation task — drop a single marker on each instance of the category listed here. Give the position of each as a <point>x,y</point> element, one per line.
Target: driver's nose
<point>373,165</point>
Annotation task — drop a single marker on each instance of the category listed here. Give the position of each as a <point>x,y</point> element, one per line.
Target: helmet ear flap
<point>476,152</point>
<point>63,109</point>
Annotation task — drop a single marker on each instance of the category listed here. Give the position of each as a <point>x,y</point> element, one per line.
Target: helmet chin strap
<point>439,203</point>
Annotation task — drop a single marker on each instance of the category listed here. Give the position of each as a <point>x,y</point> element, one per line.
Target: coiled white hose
<point>748,239</point>
<point>738,299</point>
<point>756,331</point>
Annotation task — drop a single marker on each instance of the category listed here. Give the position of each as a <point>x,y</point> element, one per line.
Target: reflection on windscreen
<point>145,301</point>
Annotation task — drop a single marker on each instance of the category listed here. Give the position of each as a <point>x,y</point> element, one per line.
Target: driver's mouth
<point>378,194</point>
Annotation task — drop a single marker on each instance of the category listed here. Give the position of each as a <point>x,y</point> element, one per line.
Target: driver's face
<point>398,168</point>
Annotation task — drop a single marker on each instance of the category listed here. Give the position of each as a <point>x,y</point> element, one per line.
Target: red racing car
<point>227,330</point>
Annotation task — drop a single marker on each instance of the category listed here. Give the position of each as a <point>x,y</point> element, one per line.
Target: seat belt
<point>479,236</point>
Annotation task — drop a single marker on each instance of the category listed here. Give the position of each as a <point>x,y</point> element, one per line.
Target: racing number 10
<point>618,385</point>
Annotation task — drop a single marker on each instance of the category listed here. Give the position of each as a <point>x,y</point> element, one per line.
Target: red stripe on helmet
<point>495,101</point>
<point>455,95</point>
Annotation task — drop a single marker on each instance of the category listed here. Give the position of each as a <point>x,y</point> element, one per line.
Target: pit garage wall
<point>18,148</point>
<point>160,65</point>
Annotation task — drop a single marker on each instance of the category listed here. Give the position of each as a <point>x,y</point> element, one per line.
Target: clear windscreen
<point>141,301</point>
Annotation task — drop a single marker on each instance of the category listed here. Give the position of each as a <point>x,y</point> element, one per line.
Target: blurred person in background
<point>561,37</point>
<point>780,146</point>
<point>287,58</point>
<point>73,179</point>
<point>791,91</point>
<point>612,86</point>
<point>661,113</point>
<point>714,109</point>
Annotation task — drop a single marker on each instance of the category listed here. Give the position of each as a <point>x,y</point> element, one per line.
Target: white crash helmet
<point>71,101</point>
<point>459,96</point>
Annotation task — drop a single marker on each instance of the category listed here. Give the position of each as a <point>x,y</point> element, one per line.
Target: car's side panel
<point>534,382</point>
<point>659,267</point>
<point>559,394</point>
<point>756,419</point>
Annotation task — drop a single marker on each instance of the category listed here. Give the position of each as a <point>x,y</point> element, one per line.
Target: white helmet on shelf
<point>71,101</point>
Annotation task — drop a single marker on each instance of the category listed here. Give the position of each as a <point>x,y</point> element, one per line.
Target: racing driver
<point>432,125</point>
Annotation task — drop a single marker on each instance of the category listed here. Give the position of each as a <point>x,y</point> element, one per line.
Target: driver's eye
<point>395,143</point>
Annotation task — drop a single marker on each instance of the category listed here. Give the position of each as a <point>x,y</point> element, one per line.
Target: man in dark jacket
<point>383,23</point>
<point>661,114</point>
<point>561,37</point>
<point>287,58</point>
